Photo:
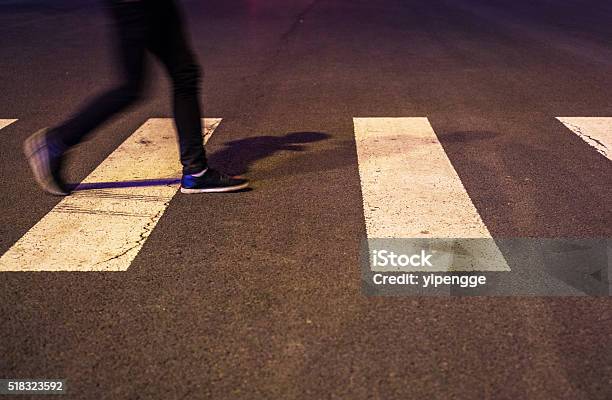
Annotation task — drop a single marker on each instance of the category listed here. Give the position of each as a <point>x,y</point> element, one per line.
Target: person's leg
<point>44,149</point>
<point>168,41</point>
<point>131,20</point>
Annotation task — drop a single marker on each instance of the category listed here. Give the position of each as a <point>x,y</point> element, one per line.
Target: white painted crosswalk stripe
<point>104,224</point>
<point>411,190</point>
<point>596,131</point>
<point>6,122</point>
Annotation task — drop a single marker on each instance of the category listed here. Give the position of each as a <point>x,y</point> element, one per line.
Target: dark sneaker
<point>45,161</point>
<point>212,181</point>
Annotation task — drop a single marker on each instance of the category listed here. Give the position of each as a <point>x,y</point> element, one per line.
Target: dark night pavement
<point>258,294</point>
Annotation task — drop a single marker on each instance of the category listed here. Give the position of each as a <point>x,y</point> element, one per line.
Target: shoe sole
<point>32,148</point>
<point>216,190</point>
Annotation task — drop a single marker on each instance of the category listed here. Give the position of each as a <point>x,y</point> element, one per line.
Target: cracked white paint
<point>103,229</point>
<point>6,122</point>
<point>596,131</point>
<point>411,190</point>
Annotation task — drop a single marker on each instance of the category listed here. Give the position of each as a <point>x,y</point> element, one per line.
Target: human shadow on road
<point>239,155</point>
<point>235,158</point>
<point>77,187</point>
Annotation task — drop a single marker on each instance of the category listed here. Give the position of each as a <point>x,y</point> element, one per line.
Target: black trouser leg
<point>132,28</point>
<point>169,43</point>
<point>155,25</point>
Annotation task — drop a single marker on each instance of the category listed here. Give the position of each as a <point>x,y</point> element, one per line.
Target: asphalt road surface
<point>258,294</point>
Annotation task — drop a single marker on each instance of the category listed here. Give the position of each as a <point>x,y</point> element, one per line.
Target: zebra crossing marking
<point>6,122</point>
<point>411,190</point>
<point>596,131</point>
<point>105,223</point>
